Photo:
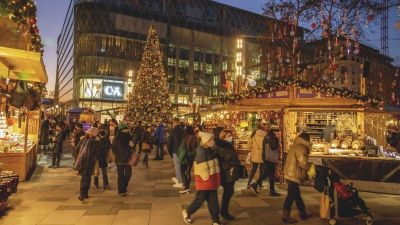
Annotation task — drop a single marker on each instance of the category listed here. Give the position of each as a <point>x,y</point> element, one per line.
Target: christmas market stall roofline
<point>280,83</point>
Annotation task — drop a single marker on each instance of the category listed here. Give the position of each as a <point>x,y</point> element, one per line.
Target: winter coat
<point>146,139</point>
<point>191,146</point>
<point>87,161</point>
<point>174,139</point>
<point>60,137</point>
<point>216,132</point>
<point>139,130</point>
<point>44,133</point>
<point>228,161</point>
<point>78,136</point>
<point>159,134</point>
<point>256,146</point>
<point>206,170</point>
<point>102,149</point>
<point>121,148</point>
<point>297,164</point>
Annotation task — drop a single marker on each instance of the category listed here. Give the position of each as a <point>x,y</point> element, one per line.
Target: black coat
<point>174,139</point>
<point>102,149</point>
<point>228,161</point>
<point>121,148</point>
<point>44,133</point>
<point>60,137</point>
<point>89,161</point>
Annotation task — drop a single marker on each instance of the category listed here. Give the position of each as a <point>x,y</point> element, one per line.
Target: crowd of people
<point>210,157</point>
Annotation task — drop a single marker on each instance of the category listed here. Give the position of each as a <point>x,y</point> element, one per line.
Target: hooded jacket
<point>121,148</point>
<point>297,164</point>
<point>256,146</point>
<point>206,170</point>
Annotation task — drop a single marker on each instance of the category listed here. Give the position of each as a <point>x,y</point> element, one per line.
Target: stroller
<point>344,200</point>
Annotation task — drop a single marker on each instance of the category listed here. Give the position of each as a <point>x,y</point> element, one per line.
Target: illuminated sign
<point>113,90</point>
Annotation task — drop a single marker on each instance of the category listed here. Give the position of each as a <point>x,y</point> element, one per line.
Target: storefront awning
<point>22,65</point>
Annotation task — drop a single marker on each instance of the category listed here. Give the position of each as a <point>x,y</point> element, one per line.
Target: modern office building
<point>101,43</point>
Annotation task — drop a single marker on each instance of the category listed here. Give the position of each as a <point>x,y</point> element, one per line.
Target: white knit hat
<point>205,137</point>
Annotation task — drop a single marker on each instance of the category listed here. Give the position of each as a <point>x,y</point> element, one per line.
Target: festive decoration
<point>23,12</point>
<point>278,83</point>
<point>149,103</point>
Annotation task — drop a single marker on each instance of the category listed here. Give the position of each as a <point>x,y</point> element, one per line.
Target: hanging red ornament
<point>32,21</point>
<point>370,17</point>
<point>314,25</point>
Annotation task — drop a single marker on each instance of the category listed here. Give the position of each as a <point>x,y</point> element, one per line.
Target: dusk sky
<point>51,14</point>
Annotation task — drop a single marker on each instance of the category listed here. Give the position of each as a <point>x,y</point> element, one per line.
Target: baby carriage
<point>344,200</point>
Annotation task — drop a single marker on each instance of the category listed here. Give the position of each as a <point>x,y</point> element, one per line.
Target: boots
<point>58,161</point>
<point>286,217</point>
<point>305,215</point>
<point>96,181</point>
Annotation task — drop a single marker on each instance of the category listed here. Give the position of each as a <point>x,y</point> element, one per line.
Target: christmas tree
<point>149,101</point>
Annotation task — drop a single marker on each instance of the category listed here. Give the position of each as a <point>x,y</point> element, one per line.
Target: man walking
<point>174,140</point>
<point>139,130</point>
<point>159,134</point>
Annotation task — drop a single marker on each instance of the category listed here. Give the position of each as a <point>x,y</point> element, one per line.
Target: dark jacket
<point>87,163</point>
<point>44,133</point>
<point>102,149</point>
<point>121,148</point>
<point>78,136</point>
<point>216,132</point>
<point>228,161</point>
<point>159,133</point>
<point>175,139</point>
<point>60,137</point>
<point>191,146</point>
<point>139,130</point>
<point>146,137</point>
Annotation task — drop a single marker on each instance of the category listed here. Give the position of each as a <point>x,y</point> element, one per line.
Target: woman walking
<point>86,158</point>
<point>190,144</point>
<point>146,145</point>
<point>256,146</point>
<point>229,164</point>
<point>207,179</point>
<point>58,146</point>
<point>295,172</point>
<point>122,152</point>
<point>101,157</point>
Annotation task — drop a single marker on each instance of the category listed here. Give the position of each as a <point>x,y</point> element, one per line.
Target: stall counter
<point>21,163</point>
<point>375,174</point>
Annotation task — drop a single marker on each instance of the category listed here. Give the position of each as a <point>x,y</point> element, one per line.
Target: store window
<point>102,89</point>
<point>182,99</point>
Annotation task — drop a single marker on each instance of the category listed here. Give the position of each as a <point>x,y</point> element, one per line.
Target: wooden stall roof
<point>22,64</point>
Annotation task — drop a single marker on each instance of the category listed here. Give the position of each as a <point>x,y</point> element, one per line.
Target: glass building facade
<point>101,43</point>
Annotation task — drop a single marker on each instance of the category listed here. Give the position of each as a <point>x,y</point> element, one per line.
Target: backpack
<point>271,148</point>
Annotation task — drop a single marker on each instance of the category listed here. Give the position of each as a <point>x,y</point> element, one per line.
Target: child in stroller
<point>344,199</point>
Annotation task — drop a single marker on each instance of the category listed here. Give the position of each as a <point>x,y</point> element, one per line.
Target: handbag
<point>146,147</point>
<point>324,209</point>
<point>182,152</point>
<point>134,160</point>
<point>270,155</point>
<point>19,94</point>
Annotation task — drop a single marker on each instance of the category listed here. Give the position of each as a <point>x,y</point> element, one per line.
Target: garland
<point>278,83</point>
<point>23,12</point>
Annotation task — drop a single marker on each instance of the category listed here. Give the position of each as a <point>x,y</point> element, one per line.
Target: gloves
<point>311,172</point>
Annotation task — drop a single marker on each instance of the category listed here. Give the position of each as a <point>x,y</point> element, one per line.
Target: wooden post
<point>26,130</point>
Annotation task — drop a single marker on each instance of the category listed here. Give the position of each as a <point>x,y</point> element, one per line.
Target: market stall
<point>336,121</point>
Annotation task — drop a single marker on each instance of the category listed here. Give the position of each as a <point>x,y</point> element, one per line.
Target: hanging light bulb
<point>397,73</point>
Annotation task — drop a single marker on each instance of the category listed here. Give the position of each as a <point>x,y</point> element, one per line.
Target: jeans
<point>146,158</point>
<point>177,165</point>
<point>160,151</point>
<point>56,157</point>
<point>254,170</point>
<point>124,175</point>
<point>212,201</point>
<point>229,189</point>
<point>293,194</point>
<point>186,174</point>
<point>86,179</point>
<point>269,171</point>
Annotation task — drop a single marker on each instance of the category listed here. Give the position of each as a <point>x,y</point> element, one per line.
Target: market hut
<point>334,118</point>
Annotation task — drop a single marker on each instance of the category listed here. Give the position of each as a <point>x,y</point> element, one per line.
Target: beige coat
<point>255,146</point>
<point>297,164</point>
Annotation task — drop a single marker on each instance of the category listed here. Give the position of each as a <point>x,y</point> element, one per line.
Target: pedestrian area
<point>50,197</point>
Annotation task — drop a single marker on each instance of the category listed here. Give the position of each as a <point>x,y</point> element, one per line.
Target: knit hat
<point>205,137</point>
<point>122,126</point>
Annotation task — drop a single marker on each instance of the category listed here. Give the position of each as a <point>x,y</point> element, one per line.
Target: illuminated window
<point>239,43</point>
<point>171,61</point>
<point>208,68</point>
<point>216,80</point>
<point>183,63</point>
<point>182,99</point>
<point>238,57</point>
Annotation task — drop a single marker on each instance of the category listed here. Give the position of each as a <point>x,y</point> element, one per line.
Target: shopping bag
<point>324,209</point>
<point>134,160</point>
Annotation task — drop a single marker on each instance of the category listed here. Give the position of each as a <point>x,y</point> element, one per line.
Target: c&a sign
<point>113,90</point>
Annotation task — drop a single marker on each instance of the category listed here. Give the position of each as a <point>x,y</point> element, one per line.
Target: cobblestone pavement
<point>50,197</point>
